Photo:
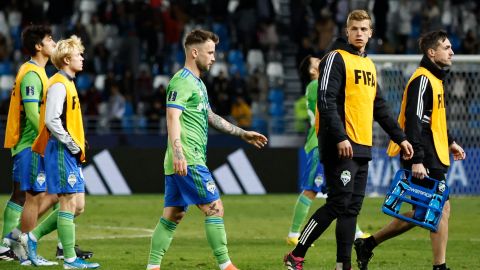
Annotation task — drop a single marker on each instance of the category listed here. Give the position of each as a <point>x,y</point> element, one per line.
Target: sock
<point>161,239</point>
<point>370,243</point>
<point>59,244</point>
<point>223,266</point>
<point>217,238</point>
<point>66,233</point>
<point>317,224</point>
<point>11,217</point>
<point>357,229</point>
<point>300,212</point>
<point>48,225</point>
<point>442,266</point>
<point>16,232</point>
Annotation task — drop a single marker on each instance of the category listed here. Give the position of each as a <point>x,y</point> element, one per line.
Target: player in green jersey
<point>187,179</point>
<point>312,181</point>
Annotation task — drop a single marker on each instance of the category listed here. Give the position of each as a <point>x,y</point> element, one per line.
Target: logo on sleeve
<point>30,90</point>
<point>172,96</point>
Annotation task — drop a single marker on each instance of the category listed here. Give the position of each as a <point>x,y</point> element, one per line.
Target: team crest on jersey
<point>318,180</point>
<point>172,96</point>
<point>30,90</point>
<point>345,177</point>
<point>41,178</point>
<point>211,187</point>
<point>72,179</point>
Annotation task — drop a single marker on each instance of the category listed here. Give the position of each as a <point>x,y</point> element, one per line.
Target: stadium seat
<point>6,82</point>
<point>159,80</point>
<point>255,60</point>
<point>100,82</point>
<point>221,30</point>
<point>83,82</point>
<point>276,95</point>
<point>275,70</point>
<point>259,125</point>
<point>276,109</point>
<point>219,66</point>
<point>5,68</point>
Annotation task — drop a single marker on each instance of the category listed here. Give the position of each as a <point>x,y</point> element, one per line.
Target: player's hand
<point>419,171</point>
<point>179,161</point>
<point>407,150</point>
<point>457,151</point>
<point>255,138</point>
<point>345,150</point>
<point>180,166</point>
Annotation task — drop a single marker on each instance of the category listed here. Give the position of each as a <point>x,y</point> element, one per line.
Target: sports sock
<point>370,243</point>
<point>357,229</point>
<point>317,224</point>
<point>11,217</point>
<point>224,266</point>
<point>442,266</point>
<point>217,238</point>
<point>161,239</point>
<point>48,225</point>
<point>66,233</point>
<point>300,212</point>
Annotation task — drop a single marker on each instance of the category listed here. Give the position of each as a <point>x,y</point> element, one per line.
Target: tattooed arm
<point>220,124</point>
<point>173,128</point>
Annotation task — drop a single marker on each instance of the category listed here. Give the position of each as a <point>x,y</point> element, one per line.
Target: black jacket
<point>417,127</point>
<point>331,107</point>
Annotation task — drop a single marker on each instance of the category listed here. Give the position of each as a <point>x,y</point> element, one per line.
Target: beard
<point>201,66</point>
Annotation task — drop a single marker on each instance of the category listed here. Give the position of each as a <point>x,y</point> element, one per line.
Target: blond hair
<point>64,49</point>
<point>359,15</point>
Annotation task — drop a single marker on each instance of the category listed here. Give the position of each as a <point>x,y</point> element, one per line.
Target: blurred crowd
<point>397,24</point>
<point>133,47</point>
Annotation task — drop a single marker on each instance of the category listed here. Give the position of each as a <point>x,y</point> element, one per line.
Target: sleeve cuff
<point>176,106</point>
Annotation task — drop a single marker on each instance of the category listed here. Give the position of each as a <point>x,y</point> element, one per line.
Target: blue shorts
<point>313,177</point>
<point>197,187</point>
<point>29,171</point>
<point>64,172</point>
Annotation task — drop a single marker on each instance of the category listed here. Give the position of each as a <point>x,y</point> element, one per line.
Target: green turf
<point>118,230</point>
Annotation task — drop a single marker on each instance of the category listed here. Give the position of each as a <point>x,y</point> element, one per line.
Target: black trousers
<point>346,183</point>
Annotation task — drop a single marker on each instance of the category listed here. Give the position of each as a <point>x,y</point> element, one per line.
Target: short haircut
<point>359,15</point>
<point>199,36</point>
<point>65,49</point>
<point>304,69</point>
<point>431,40</point>
<point>33,35</point>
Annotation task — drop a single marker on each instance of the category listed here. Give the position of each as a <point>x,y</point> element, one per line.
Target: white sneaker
<point>17,247</point>
<point>44,262</point>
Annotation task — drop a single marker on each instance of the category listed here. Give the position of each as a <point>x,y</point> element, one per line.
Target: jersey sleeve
<point>31,91</point>
<point>31,87</point>
<point>178,93</point>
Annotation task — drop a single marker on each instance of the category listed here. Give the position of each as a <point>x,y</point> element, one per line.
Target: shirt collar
<point>66,75</point>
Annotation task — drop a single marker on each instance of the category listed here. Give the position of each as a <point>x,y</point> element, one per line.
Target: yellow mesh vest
<point>74,120</point>
<point>360,92</point>
<point>438,120</point>
<point>12,131</point>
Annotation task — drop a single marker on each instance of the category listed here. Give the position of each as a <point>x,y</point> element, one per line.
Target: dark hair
<point>304,69</point>
<point>431,40</point>
<point>33,35</point>
<point>200,36</point>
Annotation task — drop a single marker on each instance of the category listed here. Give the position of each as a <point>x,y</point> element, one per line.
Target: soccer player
<point>187,179</point>
<point>423,117</point>
<point>348,102</point>
<point>21,131</point>
<point>312,179</point>
<point>62,142</point>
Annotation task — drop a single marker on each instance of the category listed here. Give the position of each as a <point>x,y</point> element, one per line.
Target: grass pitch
<point>118,230</point>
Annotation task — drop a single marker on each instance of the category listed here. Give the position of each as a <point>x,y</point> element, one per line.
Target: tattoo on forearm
<point>223,125</point>
<point>177,149</point>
